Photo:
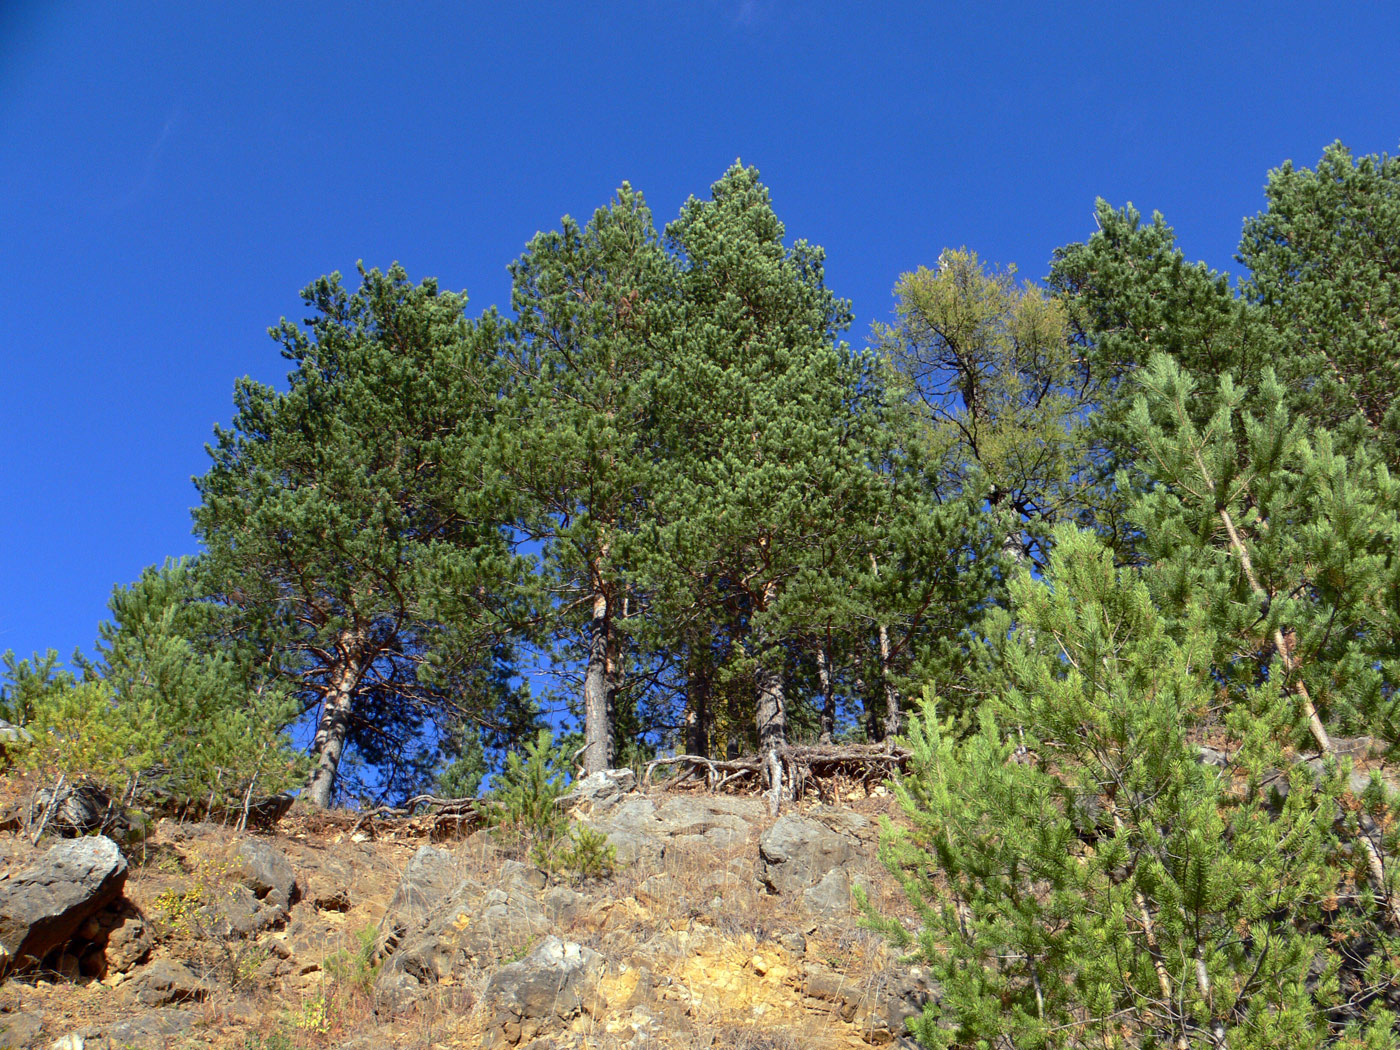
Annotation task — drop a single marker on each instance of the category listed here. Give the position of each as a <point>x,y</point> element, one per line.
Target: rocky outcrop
<point>472,927</point>
<point>149,1030</point>
<point>129,936</point>
<point>831,896</point>
<point>687,924</point>
<point>18,1031</point>
<point>641,830</point>
<point>430,876</point>
<point>164,982</point>
<point>348,876</point>
<point>74,809</point>
<point>599,791</point>
<point>547,988</point>
<point>796,852</point>
<point>265,871</point>
<point>44,906</point>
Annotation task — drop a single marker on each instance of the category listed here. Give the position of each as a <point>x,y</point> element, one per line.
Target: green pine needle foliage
<point>167,706</point>
<point>1084,879</point>
<point>523,801</point>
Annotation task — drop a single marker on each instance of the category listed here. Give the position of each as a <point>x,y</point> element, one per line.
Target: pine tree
<point>1102,885</point>
<point>997,392</point>
<point>1290,547</point>
<point>1129,293</point>
<point>1324,262</point>
<point>574,440</point>
<point>769,428</point>
<point>213,717</point>
<point>333,509</point>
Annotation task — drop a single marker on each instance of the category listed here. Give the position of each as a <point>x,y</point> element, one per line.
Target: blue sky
<point>172,174</point>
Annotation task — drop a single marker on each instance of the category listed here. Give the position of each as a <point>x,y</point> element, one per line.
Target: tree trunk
<point>893,721</point>
<point>697,706</point>
<point>772,714</point>
<point>597,718</point>
<point>734,741</point>
<point>768,680</point>
<point>827,688</point>
<point>894,718</point>
<point>873,723</point>
<point>334,725</point>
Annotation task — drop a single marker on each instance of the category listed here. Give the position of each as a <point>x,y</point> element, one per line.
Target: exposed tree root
<point>791,770</point>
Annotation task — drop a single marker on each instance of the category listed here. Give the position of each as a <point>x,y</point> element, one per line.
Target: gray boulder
<point>13,734</point>
<point>797,851</point>
<point>471,928</point>
<point>19,1030</point>
<point>152,1028</point>
<point>431,875</point>
<point>44,905</point>
<point>266,872</point>
<point>831,896</point>
<point>129,936</point>
<point>904,997</point>
<point>238,913</point>
<point>846,995</point>
<point>74,808</point>
<point>549,985</point>
<point>855,826</point>
<point>164,982</point>
<point>600,790</point>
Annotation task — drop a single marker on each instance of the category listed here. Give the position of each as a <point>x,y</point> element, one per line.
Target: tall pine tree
<point>327,505</point>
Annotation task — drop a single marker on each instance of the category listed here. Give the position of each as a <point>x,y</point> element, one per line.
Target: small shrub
<point>198,914</point>
<point>312,1016</point>
<point>584,854</point>
<point>176,910</point>
<point>356,968</point>
<point>525,795</point>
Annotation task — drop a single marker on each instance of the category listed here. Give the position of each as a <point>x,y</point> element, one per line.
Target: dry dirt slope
<point>719,928</point>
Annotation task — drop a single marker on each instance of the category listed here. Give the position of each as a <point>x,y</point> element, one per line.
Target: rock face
<point>830,896</point>
<point>548,987</point>
<point>471,927</point>
<point>13,734</point>
<point>129,938</point>
<point>640,830</point>
<point>600,790</point>
<point>19,1030</point>
<point>75,808</point>
<point>796,852</point>
<point>338,880</point>
<point>430,876</point>
<point>152,1029</point>
<point>266,872</point>
<point>43,906</point>
<point>164,982</point>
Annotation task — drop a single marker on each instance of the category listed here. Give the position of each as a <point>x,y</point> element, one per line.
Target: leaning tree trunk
<point>597,718</point>
<point>334,726</point>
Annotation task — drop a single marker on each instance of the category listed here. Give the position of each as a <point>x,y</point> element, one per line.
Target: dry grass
<point>699,955</point>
